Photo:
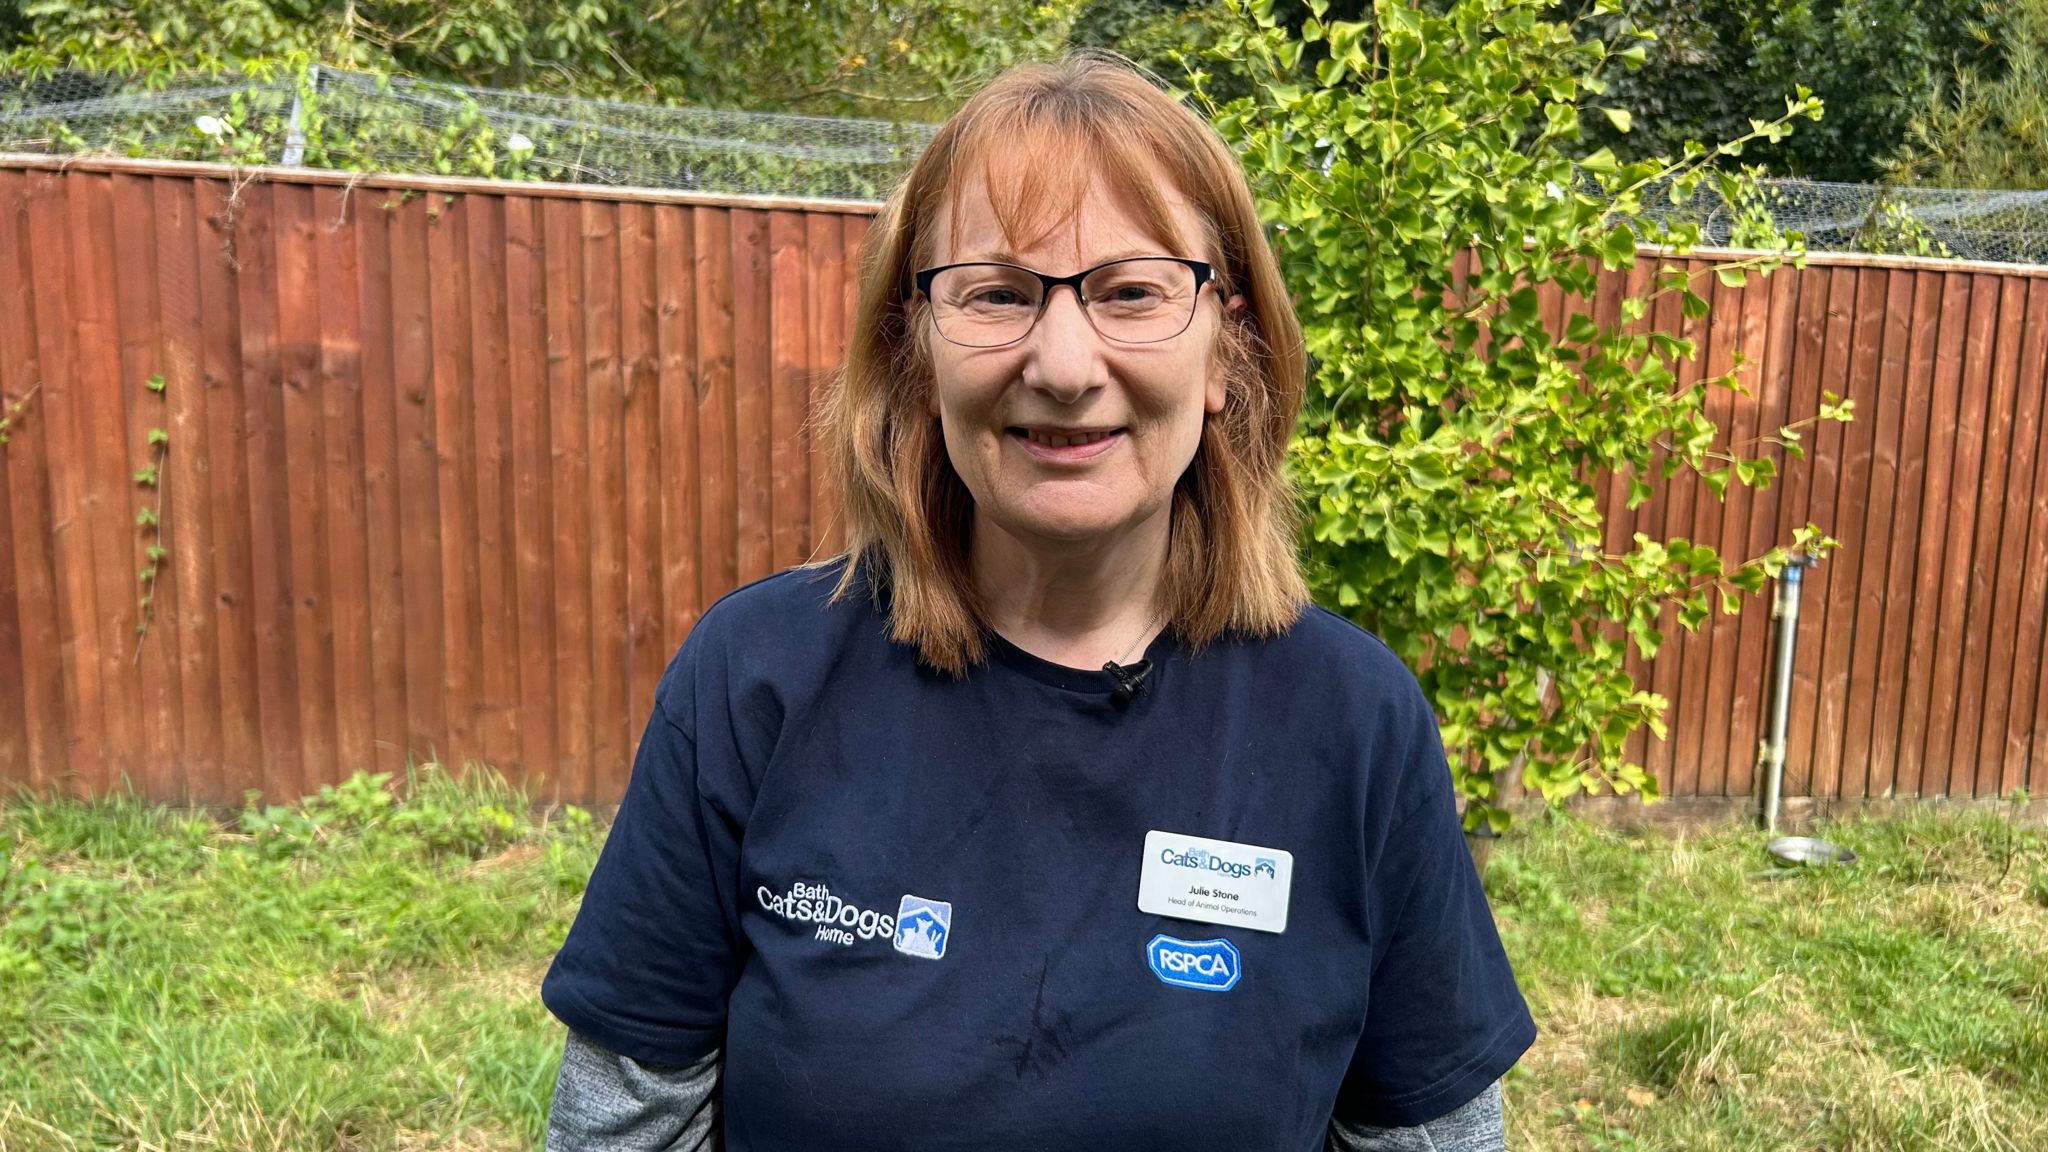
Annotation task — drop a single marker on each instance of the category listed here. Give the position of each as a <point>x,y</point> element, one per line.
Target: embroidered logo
<point>838,921</point>
<point>1207,965</point>
<point>922,926</point>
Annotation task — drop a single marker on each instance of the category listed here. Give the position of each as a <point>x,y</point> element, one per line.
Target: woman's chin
<point>1068,521</point>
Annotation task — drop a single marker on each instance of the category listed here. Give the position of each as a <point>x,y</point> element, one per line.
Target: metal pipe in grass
<point>1770,752</point>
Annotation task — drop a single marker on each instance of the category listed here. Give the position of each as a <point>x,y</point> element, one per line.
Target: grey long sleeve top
<point>610,1102</point>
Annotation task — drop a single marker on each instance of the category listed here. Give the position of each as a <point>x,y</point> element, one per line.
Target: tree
<point>1989,127</point>
<point>915,59</point>
<point>1715,62</point>
<point>1451,442</point>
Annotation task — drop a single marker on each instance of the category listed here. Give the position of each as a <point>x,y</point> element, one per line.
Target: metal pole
<point>295,135</point>
<point>1770,753</point>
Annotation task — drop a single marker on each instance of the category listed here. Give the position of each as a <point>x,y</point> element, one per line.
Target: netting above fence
<point>1967,224</point>
<point>334,119</point>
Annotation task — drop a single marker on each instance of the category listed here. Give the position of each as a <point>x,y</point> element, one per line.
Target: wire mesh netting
<point>329,118</point>
<point>334,119</point>
<point>1963,223</point>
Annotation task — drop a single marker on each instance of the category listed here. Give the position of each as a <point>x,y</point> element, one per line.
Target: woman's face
<point>1065,436</point>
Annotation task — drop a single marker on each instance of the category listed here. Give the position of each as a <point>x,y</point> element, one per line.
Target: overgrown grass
<point>352,972</point>
<point>360,971</point>
<point>1691,996</point>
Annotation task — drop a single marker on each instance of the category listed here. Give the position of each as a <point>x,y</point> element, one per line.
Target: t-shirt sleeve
<point>650,962</point>
<point>1444,1017</point>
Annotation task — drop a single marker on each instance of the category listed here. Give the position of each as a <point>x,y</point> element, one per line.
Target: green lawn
<point>358,973</point>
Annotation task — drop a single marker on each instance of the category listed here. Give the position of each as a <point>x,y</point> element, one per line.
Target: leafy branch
<point>11,415</point>
<point>149,519</point>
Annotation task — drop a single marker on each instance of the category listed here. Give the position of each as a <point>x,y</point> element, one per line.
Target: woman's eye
<point>1001,297</point>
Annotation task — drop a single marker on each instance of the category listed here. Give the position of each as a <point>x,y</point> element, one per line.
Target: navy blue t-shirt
<point>905,905</point>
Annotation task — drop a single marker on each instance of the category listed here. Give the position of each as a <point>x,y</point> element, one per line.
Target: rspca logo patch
<point>922,927</point>
<point>1207,965</point>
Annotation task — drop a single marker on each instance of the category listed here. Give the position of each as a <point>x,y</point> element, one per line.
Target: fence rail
<point>453,466</point>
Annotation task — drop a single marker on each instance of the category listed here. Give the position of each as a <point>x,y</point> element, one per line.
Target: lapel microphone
<point>1129,678</point>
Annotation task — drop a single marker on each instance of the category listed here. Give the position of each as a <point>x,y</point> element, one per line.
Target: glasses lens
<point>1141,301</point>
<point>983,305</point>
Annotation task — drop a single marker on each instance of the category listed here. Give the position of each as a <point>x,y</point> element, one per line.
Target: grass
<point>1692,997</point>
<point>360,971</point>
<point>352,973</point>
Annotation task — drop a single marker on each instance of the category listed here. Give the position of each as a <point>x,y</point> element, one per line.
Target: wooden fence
<point>452,466</point>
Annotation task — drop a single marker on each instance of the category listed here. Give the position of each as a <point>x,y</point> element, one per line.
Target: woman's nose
<point>1065,351</point>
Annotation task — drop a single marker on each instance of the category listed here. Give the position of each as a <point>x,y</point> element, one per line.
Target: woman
<point>898,868</point>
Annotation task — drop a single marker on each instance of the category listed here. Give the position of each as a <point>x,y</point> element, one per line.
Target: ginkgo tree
<point>1454,445</point>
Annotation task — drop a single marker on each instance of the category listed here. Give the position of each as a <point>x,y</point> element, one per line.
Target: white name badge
<point>1215,881</point>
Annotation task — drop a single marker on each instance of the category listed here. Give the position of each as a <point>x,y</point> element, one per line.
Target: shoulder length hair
<point>1039,135</point>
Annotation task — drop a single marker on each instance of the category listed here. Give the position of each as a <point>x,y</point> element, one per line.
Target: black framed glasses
<point>1137,300</point>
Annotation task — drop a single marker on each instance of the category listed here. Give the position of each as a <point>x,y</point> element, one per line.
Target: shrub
<point>1451,442</point>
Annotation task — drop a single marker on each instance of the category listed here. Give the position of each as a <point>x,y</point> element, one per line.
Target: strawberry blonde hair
<point>1038,136</point>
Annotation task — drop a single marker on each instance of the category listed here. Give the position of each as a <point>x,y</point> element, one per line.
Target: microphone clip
<point>1129,679</point>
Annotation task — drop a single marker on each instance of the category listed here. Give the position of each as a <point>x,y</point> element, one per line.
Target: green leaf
<point>1620,118</point>
<point>1428,473</point>
<point>155,383</point>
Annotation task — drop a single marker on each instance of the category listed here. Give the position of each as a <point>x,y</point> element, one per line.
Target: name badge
<point>1215,881</point>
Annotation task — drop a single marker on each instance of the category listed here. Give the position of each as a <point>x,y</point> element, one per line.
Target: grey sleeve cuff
<point>1476,1126</point>
<point>607,1101</point>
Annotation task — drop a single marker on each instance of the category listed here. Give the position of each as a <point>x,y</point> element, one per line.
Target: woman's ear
<point>1218,388</point>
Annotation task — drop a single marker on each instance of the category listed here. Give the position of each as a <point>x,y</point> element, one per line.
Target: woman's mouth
<point>1066,445</point>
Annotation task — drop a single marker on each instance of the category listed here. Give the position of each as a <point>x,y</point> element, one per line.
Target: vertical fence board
<point>192,539</point>
<point>74,507</point>
<point>1728,334</point>
<point>497,634</point>
<point>298,325</point>
<point>1815,490</point>
<point>640,366</point>
<point>1983,612</point>
<point>103,428</point>
<point>1908,364</point>
<point>528,374</point>
<point>228,493</point>
<point>753,431</point>
<point>1956,694</point>
<point>1867,476</point>
<point>280,770</point>
<point>384,544</point>
<point>1945,399</point>
<point>2025,741</point>
<point>154,656</point>
<point>679,386</point>
<point>853,235</point>
<point>14,755</point>
<point>1876,406</point>
<point>419,497</point>
<point>2002,519</point>
<point>823,235</point>
<point>568,424</point>
<point>718,498</point>
<point>48,705</point>
<point>606,413</point>
<point>1652,520</point>
<point>455,441</point>
<point>789,331</point>
<point>341,416</point>
<point>1849,313</point>
<point>1771,385</point>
